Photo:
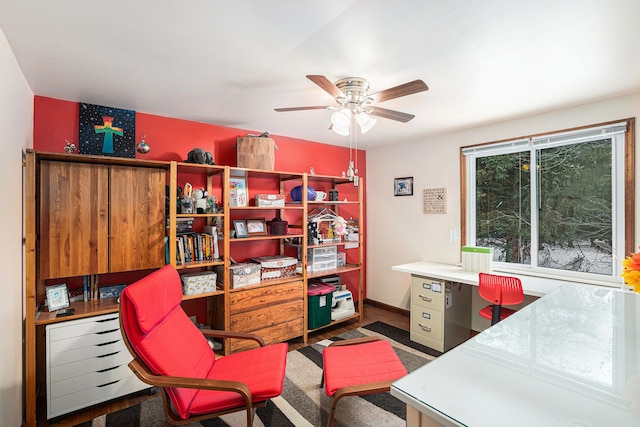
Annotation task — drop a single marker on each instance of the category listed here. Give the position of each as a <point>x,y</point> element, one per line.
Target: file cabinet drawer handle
<point>426,315</point>
<point>424,328</point>
<point>425,298</point>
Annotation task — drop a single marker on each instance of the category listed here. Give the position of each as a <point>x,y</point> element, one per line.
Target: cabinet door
<point>137,218</point>
<point>73,219</point>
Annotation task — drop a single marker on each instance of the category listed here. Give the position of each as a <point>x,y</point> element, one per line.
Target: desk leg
<point>417,419</point>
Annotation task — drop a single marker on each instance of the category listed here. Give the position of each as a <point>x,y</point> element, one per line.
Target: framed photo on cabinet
<point>257,227</point>
<point>240,227</point>
<point>57,297</point>
<point>238,192</point>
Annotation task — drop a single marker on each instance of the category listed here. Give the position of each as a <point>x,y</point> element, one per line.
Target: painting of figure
<point>107,131</point>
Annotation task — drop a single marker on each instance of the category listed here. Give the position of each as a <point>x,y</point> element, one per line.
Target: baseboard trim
<point>387,307</point>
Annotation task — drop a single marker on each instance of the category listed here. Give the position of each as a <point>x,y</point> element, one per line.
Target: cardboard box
<point>198,283</point>
<point>477,259</point>
<point>256,153</point>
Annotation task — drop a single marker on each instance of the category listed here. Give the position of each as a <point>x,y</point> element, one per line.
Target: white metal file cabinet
<point>440,313</point>
<point>86,364</point>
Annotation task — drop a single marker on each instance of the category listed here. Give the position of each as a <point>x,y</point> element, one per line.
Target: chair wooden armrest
<point>354,341</point>
<point>217,333</point>
<point>150,378</point>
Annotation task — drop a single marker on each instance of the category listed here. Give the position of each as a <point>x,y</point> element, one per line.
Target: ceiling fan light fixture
<point>341,122</point>
<point>365,121</point>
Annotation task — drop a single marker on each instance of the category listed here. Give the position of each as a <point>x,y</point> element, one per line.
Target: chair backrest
<point>161,335</point>
<point>500,290</point>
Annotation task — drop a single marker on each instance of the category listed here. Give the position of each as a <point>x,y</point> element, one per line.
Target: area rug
<point>303,402</point>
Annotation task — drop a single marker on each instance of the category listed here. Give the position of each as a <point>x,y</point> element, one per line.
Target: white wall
<point>398,231</point>
<point>16,134</point>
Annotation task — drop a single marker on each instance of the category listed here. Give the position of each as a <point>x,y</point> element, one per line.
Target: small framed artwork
<point>238,192</point>
<point>240,227</point>
<point>257,227</point>
<point>403,186</point>
<point>57,297</point>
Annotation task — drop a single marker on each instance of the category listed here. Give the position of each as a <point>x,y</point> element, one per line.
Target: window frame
<point>627,217</point>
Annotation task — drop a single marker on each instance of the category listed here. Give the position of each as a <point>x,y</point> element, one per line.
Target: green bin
<point>320,298</point>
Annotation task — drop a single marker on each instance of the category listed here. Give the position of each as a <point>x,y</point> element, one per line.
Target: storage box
<point>276,267</point>
<point>198,283</point>
<point>244,274</point>
<point>320,299</point>
<point>270,200</point>
<point>477,259</point>
<point>256,152</point>
<point>322,258</point>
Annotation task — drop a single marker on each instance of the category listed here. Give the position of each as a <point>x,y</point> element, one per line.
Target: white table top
<point>531,285</point>
<point>571,358</point>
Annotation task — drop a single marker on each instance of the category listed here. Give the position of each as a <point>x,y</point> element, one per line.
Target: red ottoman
<point>358,367</point>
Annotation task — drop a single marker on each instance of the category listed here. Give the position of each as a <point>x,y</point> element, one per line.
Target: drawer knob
<point>424,328</point>
<point>425,298</point>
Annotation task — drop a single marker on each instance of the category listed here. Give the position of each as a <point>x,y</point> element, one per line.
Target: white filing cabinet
<point>86,364</point>
<point>440,313</point>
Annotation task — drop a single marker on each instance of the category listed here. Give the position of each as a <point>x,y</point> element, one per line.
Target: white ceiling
<point>232,62</point>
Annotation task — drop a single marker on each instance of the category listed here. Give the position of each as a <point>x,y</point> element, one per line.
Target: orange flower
<point>631,272</point>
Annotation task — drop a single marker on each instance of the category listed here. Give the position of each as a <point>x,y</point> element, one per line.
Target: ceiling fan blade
<point>325,84</point>
<point>317,107</point>
<point>398,91</point>
<point>391,114</point>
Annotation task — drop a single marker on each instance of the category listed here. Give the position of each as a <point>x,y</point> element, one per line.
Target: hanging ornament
<point>143,147</point>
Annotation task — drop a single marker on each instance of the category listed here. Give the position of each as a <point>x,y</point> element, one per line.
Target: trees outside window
<point>554,203</point>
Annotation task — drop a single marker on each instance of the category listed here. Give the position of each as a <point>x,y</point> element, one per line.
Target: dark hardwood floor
<point>372,312</point>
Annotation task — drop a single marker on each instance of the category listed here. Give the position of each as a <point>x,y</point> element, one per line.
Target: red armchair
<point>171,353</point>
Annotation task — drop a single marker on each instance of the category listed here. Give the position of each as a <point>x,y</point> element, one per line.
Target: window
<point>554,204</point>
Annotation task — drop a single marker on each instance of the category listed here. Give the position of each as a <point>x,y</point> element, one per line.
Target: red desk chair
<point>171,353</point>
<point>500,291</point>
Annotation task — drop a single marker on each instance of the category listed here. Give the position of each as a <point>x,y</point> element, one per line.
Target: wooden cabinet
<point>100,218</point>
<point>440,313</point>
<point>136,218</point>
<point>85,216</point>
<point>273,311</point>
<point>74,220</point>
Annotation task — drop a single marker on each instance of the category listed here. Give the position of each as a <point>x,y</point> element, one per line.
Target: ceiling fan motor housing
<point>355,91</point>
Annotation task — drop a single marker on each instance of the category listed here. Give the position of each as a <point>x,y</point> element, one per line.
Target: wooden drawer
<point>267,316</point>
<point>265,296</point>
<point>272,334</point>
<point>427,292</point>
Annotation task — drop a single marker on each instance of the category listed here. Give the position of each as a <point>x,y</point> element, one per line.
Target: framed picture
<point>107,131</point>
<point>403,186</point>
<point>240,226</point>
<point>257,227</point>
<point>238,192</point>
<point>57,297</point>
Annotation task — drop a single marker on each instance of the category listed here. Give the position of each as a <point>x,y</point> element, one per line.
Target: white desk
<point>534,286</point>
<point>571,358</point>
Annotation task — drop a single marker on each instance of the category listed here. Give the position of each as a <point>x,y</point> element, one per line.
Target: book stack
<point>192,246</point>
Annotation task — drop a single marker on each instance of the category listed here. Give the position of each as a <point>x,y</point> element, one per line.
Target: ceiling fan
<point>351,94</point>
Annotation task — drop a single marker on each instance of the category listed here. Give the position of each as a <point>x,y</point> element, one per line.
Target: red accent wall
<point>57,121</point>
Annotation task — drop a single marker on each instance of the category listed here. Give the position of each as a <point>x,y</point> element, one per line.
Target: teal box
<point>320,298</point>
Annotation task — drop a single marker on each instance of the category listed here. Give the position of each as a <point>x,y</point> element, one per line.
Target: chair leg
<point>334,403</point>
<point>495,314</point>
